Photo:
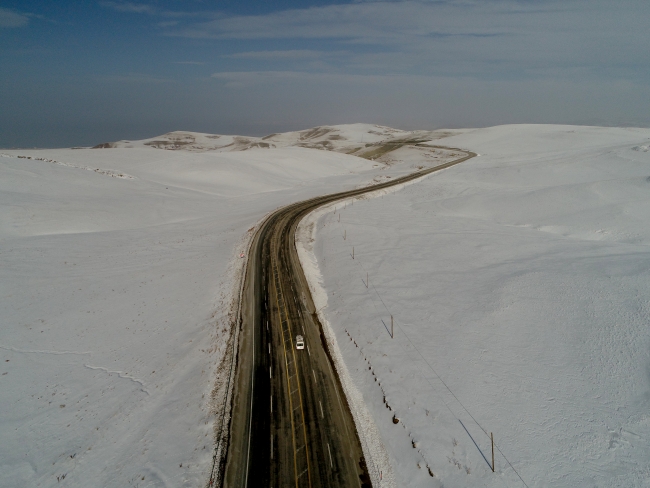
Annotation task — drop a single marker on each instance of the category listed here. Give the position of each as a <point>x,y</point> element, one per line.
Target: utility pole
<point>345,234</point>
<point>367,282</point>
<point>392,335</point>
<point>492,439</point>
<point>352,252</point>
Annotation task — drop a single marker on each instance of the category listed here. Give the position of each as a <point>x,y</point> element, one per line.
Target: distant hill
<point>358,139</point>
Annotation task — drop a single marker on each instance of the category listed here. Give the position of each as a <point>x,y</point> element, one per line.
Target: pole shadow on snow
<point>387,329</point>
<point>479,449</point>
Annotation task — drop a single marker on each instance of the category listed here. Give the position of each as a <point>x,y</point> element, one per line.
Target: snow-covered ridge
<point>348,138</point>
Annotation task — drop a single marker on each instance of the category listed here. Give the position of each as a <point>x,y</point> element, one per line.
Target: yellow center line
<point>286,364</point>
<point>302,412</point>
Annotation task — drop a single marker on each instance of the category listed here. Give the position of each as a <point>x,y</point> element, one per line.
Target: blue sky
<point>80,73</point>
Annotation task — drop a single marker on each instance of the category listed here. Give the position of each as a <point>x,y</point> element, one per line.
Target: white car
<point>300,342</point>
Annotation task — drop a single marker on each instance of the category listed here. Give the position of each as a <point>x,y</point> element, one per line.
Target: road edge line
<point>222,439</point>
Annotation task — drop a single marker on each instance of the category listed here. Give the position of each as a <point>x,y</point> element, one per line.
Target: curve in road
<point>291,425</point>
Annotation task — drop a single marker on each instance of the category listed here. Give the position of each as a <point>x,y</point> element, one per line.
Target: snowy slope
<point>117,268</point>
<point>518,282</point>
<point>348,138</point>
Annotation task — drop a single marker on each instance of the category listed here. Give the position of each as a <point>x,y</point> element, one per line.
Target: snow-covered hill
<point>348,138</point>
<point>518,282</point>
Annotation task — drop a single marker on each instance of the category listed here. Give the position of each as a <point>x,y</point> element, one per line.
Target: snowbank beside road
<point>518,283</point>
<point>377,460</point>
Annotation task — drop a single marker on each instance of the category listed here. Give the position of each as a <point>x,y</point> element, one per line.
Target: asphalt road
<point>291,425</point>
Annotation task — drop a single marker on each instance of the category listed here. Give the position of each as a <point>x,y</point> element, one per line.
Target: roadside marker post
<point>492,439</point>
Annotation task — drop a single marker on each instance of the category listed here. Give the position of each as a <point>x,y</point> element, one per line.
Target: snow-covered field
<point>519,283</point>
<point>117,267</point>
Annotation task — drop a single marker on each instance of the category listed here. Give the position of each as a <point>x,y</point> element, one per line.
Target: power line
<point>358,261</point>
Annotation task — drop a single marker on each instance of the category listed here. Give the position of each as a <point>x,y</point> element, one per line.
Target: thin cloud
<point>138,8</point>
<point>145,8</point>
<point>238,79</point>
<point>137,78</point>
<point>279,55</point>
<point>10,19</point>
<point>381,22</point>
<point>475,38</point>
